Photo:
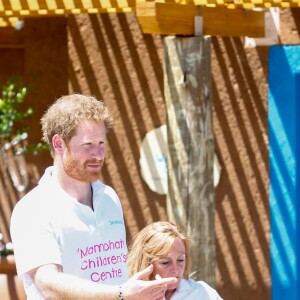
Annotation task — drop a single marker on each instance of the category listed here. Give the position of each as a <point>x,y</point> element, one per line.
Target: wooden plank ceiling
<point>156,16</point>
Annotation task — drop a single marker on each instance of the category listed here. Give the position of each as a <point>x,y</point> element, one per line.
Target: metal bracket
<point>272,28</point>
<point>198,26</point>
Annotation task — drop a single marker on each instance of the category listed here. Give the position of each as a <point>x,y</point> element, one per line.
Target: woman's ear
<point>58,143</point>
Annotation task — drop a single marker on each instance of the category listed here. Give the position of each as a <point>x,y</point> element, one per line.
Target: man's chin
<point>89,177</point>
<point>92,177</point>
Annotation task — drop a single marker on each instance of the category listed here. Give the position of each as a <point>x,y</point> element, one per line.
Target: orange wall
<point>109,57</point>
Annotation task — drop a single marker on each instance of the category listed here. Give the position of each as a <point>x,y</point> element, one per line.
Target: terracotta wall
<point>240,124</point>
<point>109,57</point>
<point>240,81</point>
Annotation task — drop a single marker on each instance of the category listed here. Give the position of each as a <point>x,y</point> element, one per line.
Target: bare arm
<point>55,285</point>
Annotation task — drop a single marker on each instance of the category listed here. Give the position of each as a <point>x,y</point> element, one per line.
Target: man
<point>68,232</point>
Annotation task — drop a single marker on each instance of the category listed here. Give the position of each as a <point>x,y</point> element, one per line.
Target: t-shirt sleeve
<point>34,239</point>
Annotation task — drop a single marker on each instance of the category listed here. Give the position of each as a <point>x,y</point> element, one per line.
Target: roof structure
<point>151,14</point>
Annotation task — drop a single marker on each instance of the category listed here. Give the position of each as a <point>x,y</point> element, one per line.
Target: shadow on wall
<point>38,55</point>
<point>12,64</point>
<point>13,182</point>
<point>296,16</point>
<point>111,59</point>
<point>240,122</point>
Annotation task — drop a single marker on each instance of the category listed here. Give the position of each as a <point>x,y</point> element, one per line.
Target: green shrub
<point>12,97</point>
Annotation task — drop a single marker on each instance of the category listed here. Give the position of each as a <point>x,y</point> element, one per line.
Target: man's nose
<point>99,153</point>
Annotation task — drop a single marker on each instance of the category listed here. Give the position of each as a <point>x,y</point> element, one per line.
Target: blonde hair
<point>152,242</point>
<point>64,115</point>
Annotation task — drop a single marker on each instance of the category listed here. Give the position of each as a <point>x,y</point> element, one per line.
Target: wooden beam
<point>190,199</point>
<point>233,22</point>
<point>170,18</point>
<point>166,18</point>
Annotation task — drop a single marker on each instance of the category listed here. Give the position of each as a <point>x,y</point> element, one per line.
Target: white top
<point>192,290</point>
<point>48,226</point>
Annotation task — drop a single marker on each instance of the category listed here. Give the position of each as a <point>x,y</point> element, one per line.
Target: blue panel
<point>284,138</point>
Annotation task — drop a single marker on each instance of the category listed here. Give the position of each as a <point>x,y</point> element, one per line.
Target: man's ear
<point>58,143</point>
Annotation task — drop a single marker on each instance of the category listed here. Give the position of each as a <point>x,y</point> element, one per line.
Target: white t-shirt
<point>192,290</point>
<point>48,226</point>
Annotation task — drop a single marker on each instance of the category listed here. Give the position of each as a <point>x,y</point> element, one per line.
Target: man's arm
<point>54,284</point>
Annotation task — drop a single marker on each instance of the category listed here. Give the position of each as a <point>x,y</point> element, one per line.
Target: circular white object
<point>153,160</point>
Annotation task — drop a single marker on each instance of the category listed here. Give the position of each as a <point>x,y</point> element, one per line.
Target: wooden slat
<point>248,3</point>
<point>21,7</point>
<point>8,22</point>
<point>156,16</point>
<point>51,7</point>
<point>43,12</point>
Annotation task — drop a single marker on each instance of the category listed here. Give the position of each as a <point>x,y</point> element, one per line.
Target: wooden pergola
<point>219,17</point>
<point>188,96</point>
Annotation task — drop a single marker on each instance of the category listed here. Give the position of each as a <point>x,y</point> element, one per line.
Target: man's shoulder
<point>27,209</point>
<point>35,198</point>
<point>31,196</point>
<point>101,188</point>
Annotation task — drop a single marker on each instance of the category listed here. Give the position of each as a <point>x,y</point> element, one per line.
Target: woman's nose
<point>175,270</point>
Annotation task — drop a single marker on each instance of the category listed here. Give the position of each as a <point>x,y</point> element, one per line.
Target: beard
<point>78,170</point>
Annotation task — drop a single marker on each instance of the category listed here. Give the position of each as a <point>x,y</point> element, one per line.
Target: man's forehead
<point>90,130</point>
<point>91,127</point>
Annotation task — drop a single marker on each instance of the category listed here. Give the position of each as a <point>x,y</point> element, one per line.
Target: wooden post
<point>190,199</point>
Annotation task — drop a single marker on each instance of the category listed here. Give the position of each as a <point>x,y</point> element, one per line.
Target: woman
<point>166,246</point>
